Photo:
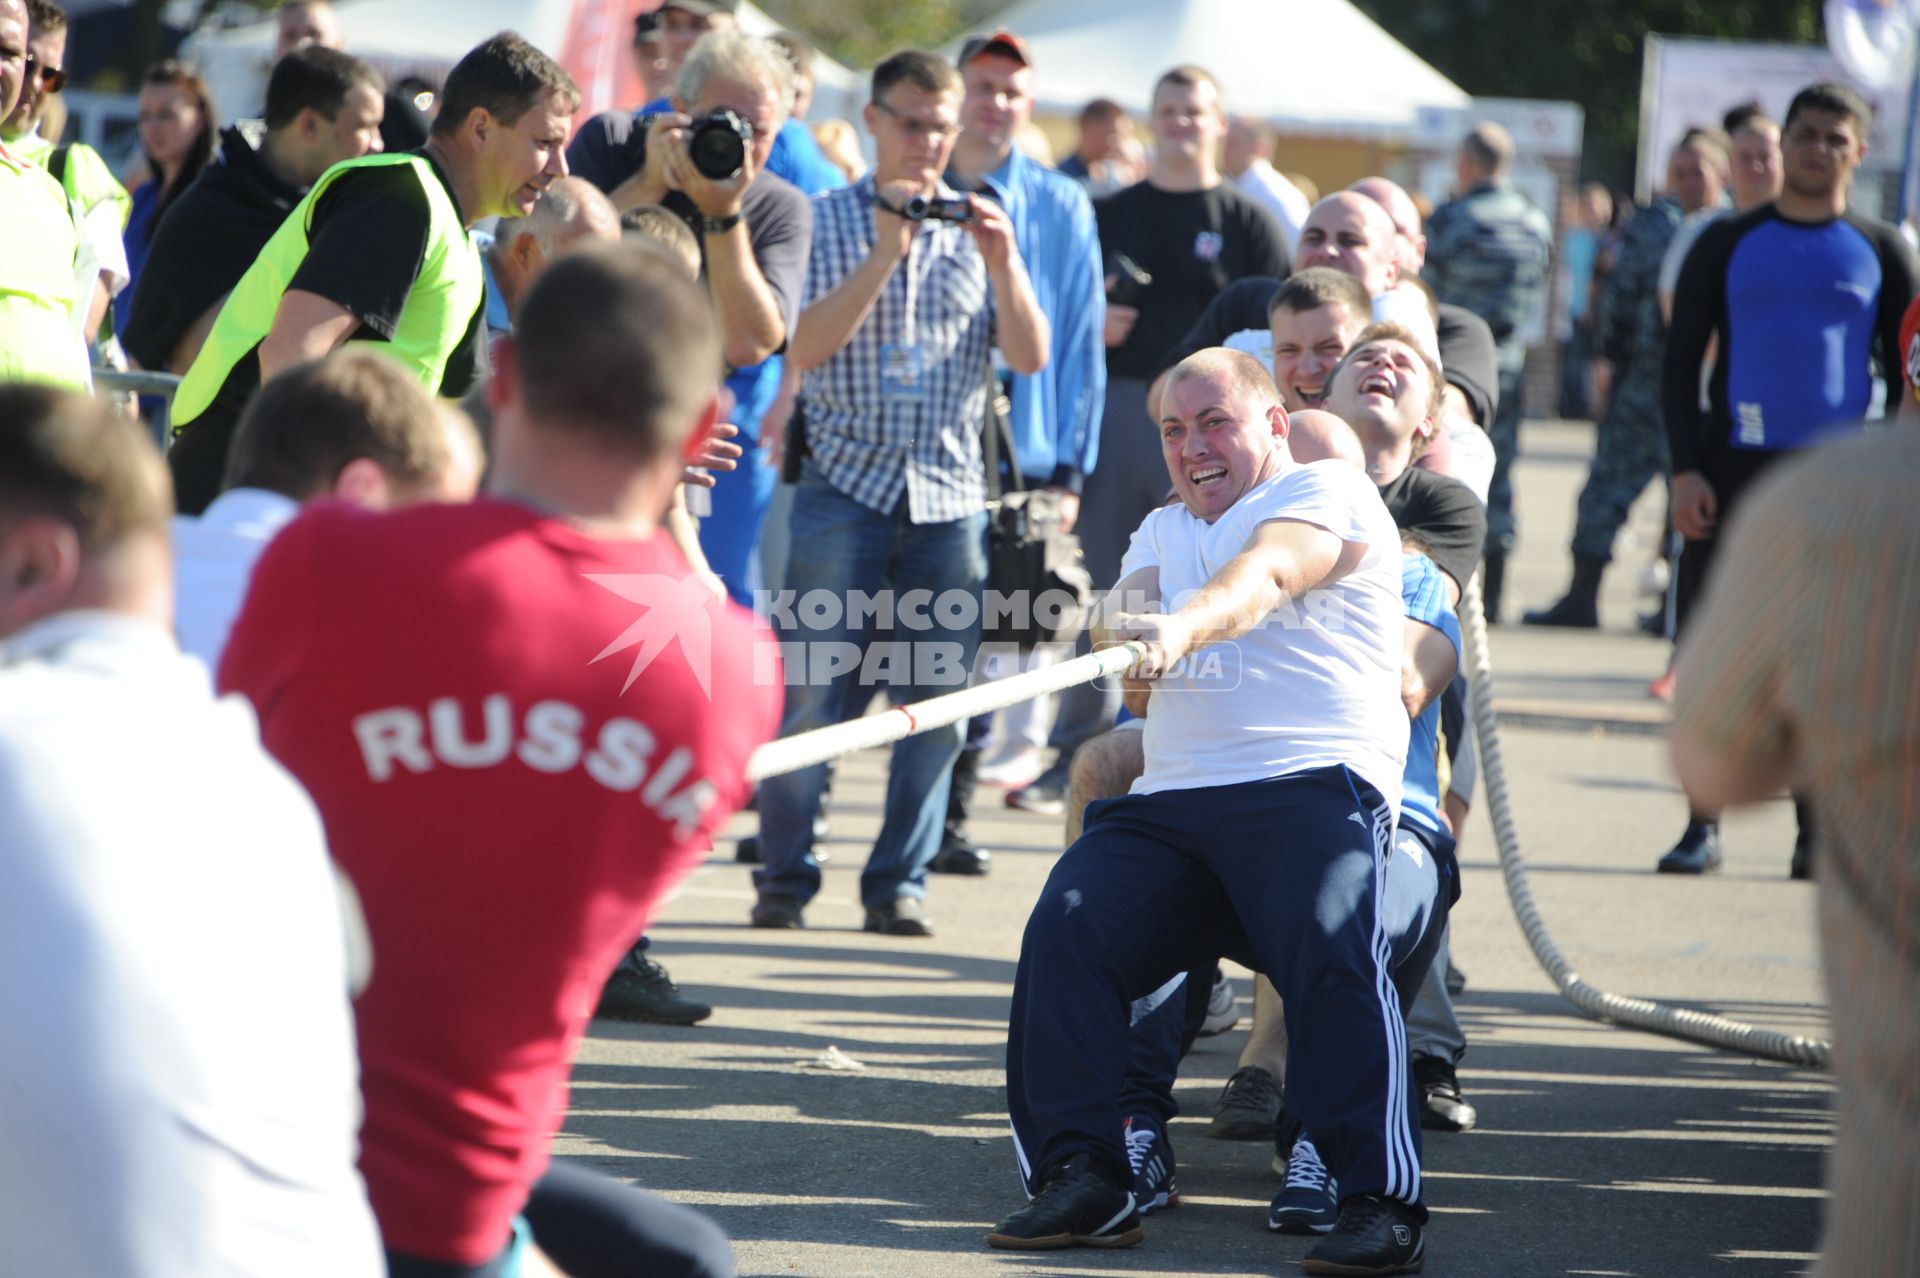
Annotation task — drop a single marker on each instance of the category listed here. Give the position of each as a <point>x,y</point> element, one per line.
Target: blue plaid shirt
<point>873,445</point>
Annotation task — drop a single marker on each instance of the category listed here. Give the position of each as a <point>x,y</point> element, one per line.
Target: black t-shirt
<point>1194,244</point>
<point>612,147</point>
<point>203,245</point>
<point>367,243</point>
<point>1467,355</point>
<point>1444,514</point>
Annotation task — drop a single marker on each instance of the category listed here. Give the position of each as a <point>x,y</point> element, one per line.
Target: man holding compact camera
<point>909,288</point>
<point>704,159</point>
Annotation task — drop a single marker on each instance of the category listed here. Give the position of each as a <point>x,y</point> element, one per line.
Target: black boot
<point>1579,609</point>
<point>957,854</point>
<point>1803,842</point>
<point>1493,579</point>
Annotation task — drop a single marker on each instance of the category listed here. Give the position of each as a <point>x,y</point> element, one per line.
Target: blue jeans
<point>835,655</point>
<point>730,536</point>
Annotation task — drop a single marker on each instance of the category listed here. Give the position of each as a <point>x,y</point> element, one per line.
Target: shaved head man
<point>574,211</point>
<point>1352,233</point>
<point>1410,242</point>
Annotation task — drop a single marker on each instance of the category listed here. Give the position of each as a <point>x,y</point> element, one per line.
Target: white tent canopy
<point>426,37</point>
<point>1305,66</point>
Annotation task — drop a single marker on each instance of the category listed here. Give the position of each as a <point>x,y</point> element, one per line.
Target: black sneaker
<point>959,854</point>
<point>1151,1157</point>
<point>1309,1202</point>
<point>641,990</point>
<point>1047,796</point>
<point>773,910</point>
<point>1374,1236</point>
<point>902,916</point>
<point>1248,1108</point>
<point>1697,852</point>
<point>1442,1108</point>
<point>1074,1208</point>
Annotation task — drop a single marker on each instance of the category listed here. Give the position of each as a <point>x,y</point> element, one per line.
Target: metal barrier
<point>161,386</point>
<point>809,748</point>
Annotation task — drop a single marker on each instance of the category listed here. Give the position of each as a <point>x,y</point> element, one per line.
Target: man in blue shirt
<point>1055,412</point>
<point>902,311</point>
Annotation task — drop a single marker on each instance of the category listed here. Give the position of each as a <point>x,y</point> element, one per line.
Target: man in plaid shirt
<point>889,518</point>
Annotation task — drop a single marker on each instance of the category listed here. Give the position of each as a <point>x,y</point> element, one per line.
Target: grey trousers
<point>1432,1028</point>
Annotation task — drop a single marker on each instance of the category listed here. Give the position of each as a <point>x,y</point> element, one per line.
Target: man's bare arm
<point>1427,666</point>
<point>751,325</point>
<point>1283,559</point>
<point>306,327</point>
<point>1715,778</point>
<point>1138,590</point>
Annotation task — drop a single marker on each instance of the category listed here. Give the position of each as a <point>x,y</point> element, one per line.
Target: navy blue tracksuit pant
<point>1422,882</point>
<point>1287,871</point>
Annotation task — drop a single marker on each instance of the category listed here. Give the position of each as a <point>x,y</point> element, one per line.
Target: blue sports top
<point>1423,593</point>
<point>1801,310</point>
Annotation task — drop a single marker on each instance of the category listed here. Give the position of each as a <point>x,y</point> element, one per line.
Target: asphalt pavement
<point>843,1112</point>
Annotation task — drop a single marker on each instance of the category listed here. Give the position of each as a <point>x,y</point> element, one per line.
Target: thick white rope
<point>804,750</point>
<point>810,748</point>
<point>1639,1013</point>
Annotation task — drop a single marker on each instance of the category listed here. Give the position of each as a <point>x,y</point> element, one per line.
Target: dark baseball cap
<point>1002,42</point>
<point>702,8</point>
<point>646,27</point>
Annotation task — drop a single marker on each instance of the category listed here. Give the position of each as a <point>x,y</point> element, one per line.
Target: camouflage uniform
<point>1488,252</point>
<point>1632,444</point>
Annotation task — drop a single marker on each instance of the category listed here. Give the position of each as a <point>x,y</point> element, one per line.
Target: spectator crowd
<point>393,767</point>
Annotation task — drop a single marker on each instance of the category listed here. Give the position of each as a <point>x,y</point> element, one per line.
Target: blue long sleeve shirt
<point>1056,411</point>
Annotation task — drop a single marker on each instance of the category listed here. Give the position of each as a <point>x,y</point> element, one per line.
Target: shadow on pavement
<point>1620,1155</point>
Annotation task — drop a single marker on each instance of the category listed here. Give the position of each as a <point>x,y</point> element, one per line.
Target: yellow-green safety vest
<point>84,176</point>
<point>37,338</point>
<point>446,295</point>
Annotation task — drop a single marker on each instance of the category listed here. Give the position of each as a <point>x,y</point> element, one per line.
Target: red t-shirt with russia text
<point>509,814</point>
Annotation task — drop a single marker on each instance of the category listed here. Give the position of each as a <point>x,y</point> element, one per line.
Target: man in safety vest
<point>379,251</point>
<point>37,339</point>
<point>99,202</point>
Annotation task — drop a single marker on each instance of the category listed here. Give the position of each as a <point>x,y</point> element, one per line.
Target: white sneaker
<point>1223,1009</point>
<point>1012,768</point>
<point>1654,579</point>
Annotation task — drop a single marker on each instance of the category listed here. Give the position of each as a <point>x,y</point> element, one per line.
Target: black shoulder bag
<point>1038,586</point>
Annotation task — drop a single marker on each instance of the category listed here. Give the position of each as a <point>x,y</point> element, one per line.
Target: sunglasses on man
<point>52,79</point>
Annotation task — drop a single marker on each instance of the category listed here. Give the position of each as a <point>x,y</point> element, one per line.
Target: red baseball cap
<point>1910,347</point>
<point>1002,41</point>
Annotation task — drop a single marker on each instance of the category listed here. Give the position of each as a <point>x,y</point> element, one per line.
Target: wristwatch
<point>710,225</point>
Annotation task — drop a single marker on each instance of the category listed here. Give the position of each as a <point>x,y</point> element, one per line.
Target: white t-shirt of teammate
<point>1317,683</point>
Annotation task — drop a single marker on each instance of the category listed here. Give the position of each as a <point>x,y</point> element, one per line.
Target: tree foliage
<point>1584,51</point>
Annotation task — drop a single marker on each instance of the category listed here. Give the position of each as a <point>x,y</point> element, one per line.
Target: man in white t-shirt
<point>181,1094</point>
<point>1247,157</point>
<point>351,427</point>
<point>1268,600</point>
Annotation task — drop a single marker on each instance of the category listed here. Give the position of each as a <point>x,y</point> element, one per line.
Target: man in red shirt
<point>511,806</point>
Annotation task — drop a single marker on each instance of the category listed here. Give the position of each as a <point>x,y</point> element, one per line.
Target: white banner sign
<point>1689,83</point>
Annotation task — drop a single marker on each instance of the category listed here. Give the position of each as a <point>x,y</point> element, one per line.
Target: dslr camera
<point>717,144</point>
<point>935,208</point>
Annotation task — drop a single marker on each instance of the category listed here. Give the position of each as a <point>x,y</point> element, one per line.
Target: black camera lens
<point>717,145</point>
<point>921,208</point>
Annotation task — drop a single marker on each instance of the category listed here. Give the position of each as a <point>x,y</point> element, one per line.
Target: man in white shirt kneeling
<point>1268,599</point>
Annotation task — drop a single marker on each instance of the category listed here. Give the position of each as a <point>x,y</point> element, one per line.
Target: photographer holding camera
<point>705,161</point>
<point>902,315</point>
